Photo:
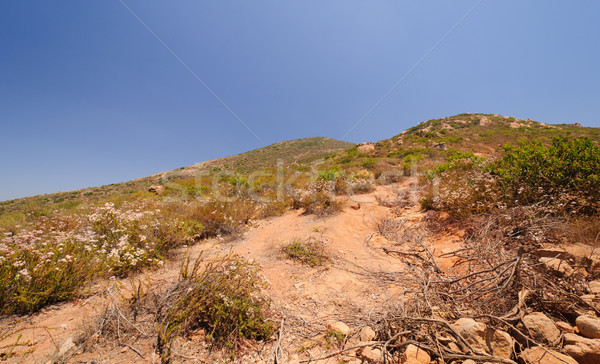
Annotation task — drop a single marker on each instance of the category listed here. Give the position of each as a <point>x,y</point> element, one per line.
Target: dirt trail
<point>342,290</point>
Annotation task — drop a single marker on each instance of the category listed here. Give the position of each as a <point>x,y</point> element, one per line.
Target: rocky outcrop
<point>157,189</point>
<point>366,147</point>
<point>484,120</point>
<point>440,146</point>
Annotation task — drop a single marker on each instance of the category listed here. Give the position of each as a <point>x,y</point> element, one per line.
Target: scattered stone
<point>461,121</point>
<point>516,125</point>
<point>539,355</point>
<point>541,327</point>
<point>67,348</point>
<point>157,189</point>
<point>564,326</point>
<point>588,326</point>
<point>485,338</point>
<point>591,299</point>
<point>367,334</point>
<point>558,265</point>
<point>594,287</point>
<point>369,355</point>
<point>553,253</point>
<point>415,355</point>
<point>440,146</point>
<point>584,350</point>
<point>339,327</point>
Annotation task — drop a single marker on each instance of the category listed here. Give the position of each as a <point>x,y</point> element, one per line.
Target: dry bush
<point>224,297</point>
<point>319,203</point>
<point>496,278</point>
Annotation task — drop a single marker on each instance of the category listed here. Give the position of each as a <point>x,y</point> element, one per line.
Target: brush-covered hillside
<point>292,152</point>
<point>471,237</point>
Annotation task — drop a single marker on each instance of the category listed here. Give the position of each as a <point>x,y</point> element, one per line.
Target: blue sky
<point>88,95</point>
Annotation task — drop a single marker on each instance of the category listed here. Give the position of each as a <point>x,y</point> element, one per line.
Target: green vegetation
<point>311,253</point>
<point>222,297</point>
<point>560,178</point>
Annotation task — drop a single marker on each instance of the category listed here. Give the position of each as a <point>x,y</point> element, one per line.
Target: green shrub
<point>311,253</point>
<point>564,175</point>
<point>224,298</point>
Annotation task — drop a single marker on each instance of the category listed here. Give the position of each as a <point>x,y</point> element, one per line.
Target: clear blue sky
<point>88,95</point>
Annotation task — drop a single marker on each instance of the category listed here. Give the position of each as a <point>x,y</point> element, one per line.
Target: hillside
<point>299,151</point>
<point>438,245</point>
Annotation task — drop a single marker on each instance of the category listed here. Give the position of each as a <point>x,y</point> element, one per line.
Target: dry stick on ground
<point>277,350</point>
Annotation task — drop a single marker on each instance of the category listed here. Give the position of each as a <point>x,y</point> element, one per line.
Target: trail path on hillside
<point>357,283</point>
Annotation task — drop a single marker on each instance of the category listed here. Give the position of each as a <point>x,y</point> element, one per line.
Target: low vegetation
<point>311,252</point>
<point>224,298</point>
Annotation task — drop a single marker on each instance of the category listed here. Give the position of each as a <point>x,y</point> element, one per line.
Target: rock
<point>367,334</point>
<point>591,299</point>
<point>415,355</point>
<point>588,326</point>
<point>445,126</point>
<point>558,265</point>
<point>67,348</point>
<point>440,146</point>
<point>584,350</point>
<point>157,189</point>
<point>516,125</point>
<point>366,147</point>
<point>594,287</point>
<point>577,125</point>
<point>484,120</point>
<point>399,141</point>
<point>553,253</point>
<point>469,361</point>
<point>564,326</point>
<point>541,327</point>
<point>339,327</point>
<point>369,355</point>
<point>538,355</point>
<point>485,339</point>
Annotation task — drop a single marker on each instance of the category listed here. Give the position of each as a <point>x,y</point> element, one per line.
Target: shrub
<point>223,297</point>
<point>565,175</point>
<point>320,203</point>
<point>311,253</point>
